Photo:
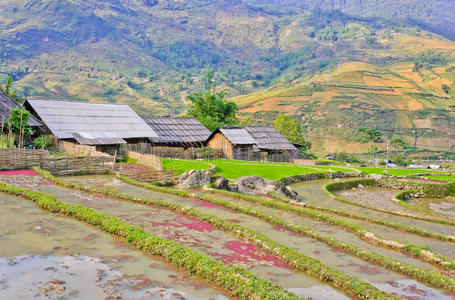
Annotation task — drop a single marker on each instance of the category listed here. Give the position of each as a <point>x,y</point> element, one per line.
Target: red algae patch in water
<point>199,226</point>
<point>209,204</point>
<point>18,172</point>
<point>243,251</point>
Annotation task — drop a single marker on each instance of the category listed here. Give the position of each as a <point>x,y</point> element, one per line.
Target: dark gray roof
<point>237,135</point>
<point>178,130</point>
<point>7,103</point>
<point>261,137</point>
<point>267,138</point>
<point>97,123</point>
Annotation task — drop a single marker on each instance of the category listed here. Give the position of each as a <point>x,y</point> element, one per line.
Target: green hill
<point>335,64</point>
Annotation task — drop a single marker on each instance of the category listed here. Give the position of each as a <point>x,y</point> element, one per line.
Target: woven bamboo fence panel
<point>79,150</point>
<point>148,160</point>
<point>191,153</point>
<point>21,158</point>
<point>148,175</point>
<point>78,165</point>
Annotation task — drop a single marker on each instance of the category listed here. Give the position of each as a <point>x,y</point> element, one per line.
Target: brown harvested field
<point>422,123</point>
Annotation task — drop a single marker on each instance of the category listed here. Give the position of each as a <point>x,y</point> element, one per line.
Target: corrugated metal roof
<point>267,138</point>
<point>7,103</point>
<point>85,138</point>
<point>237,135</point>
<point>178,130</point>
<point>112,122</point>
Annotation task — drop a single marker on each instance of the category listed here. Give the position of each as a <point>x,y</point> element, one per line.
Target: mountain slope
<point>324,53</point>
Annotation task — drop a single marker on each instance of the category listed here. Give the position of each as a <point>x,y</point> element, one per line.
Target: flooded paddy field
<point>312,193</point>
<point>443,206</point>
<point>380,277</point>
<point>199,236</point>
<point>48,257</point>
<point>375,197</point>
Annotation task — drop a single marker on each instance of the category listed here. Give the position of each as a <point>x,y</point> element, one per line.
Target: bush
<point>398,160</point>
<point>345,157</point>
<point>382,162</point>
<point>43,142</point>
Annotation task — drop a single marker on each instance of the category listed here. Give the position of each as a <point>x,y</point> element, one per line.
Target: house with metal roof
<point>178,132</point>
<point>7,103</point>
<point>104,125</point>
<point>252,143</point>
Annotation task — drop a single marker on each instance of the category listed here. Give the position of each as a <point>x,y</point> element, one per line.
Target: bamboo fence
<point>145,175</point>
<point>78,165</point>
<point>148,160</point>
<point>21,158</point>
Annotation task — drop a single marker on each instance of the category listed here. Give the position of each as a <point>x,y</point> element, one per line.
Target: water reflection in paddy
<point>332,257</point>
<point>48,257</point>
<point>201,237</point>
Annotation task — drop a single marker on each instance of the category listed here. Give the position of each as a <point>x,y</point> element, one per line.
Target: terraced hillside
<point>378,88</point>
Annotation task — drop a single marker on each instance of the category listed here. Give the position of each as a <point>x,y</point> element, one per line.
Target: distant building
<point>7,103</point>
<point>252,143</point>
<point>178,132</point>
<point>104,125</point>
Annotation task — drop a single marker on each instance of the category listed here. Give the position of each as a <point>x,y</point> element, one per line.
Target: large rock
<point>221,183</point>
<point>255,185</point>
<point>193,179</point>
<point>377,176</point>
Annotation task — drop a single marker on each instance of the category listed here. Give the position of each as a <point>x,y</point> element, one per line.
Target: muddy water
<point>202,237</point>
<point>48,257</point>
<point>313,194</point>
<point>333,257</point>
<point>376,197</point>
<point>442,206</point>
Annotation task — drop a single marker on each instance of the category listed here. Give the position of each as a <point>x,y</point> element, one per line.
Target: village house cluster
<point>115,128</point>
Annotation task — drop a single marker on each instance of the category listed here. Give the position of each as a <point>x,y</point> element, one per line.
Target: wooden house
<point>252,143</point>
<point>104,125</point>
<point>182,138</point>
<point>178,132</point>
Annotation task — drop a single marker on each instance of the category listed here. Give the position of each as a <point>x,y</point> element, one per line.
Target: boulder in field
<point>255,185</point>
<point>221,183</point>
<point>193,179</point>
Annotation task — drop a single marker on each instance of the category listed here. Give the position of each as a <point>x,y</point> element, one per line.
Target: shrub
<point>43,142</point>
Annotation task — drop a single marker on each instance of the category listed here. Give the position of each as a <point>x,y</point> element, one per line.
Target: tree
<point>371,135</point>
<point>19,125</point>
<point>291,130</point>
<point>8,89</point>
<point>211,108</point>
<point>398,143</point>
<point>446,88</point>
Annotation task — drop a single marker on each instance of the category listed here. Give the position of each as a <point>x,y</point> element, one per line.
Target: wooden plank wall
<point>220,142</point>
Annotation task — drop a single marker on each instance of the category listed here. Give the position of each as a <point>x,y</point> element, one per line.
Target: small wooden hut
<point>235,142</point>
<point>104,125</point>
<point>252,143</point>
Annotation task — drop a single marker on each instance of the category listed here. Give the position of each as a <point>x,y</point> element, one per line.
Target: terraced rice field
<point>278,241</point>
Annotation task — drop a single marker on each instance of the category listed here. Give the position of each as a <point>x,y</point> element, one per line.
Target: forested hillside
<point>335,64</point>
